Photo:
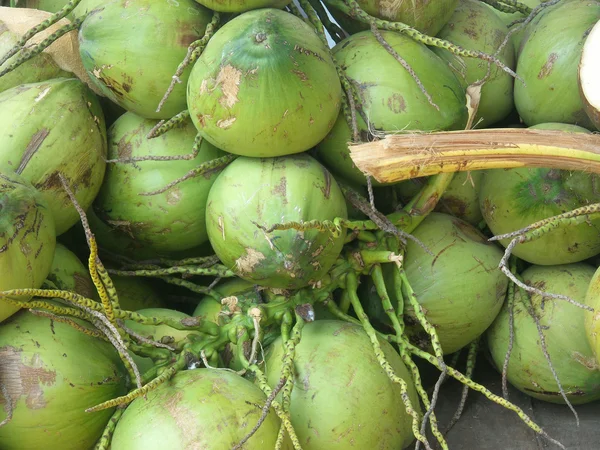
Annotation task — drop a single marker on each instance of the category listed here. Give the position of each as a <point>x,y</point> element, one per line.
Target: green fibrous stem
<point>163,126</point>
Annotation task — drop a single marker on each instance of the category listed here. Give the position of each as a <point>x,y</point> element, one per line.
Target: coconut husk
<point>64,51</point>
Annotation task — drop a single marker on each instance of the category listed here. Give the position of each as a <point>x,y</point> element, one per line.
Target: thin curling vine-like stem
<point>165,125</point>
<point>194,51</point>
<point>386,303</point>
<point>67,9</point>
<point>471,361</point>
<point>482,389</point>
<point>351,287</point>
<point>93,259</point>
<point>216,270</point>
<point>185,157</point>
<point>104,441</point>
<point>69,321</point>
<point>510,304</point>
<point>509,6</point>
<point>353,9</point>
<point>203,169</point>
<point>29,53</point>
<point>335,31</point>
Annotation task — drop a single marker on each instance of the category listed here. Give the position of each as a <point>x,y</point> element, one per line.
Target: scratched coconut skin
<point>27,237</point>
<point>252,193</point>
<point>264,86</point>
<point>53,127</point>
<point>132,49</point>
<point>53,373</point>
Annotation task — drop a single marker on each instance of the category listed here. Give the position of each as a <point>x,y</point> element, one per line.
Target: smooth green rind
<point>459,287</point>
<point>426,16</point>
<point>240,6</point>
<point>50,128</point>
<point>264,86</point>
<point>548,64</point>
<point>168,222</point>
<point>136,293</point>
<point>342,398</point>
<point>69,274</point>
<point>564,335</point>
<point>53,372</point>
<point>132,49</point>
<point>53,6</point>
<point>27,238</point>
<point>200,408</point>
<point>474,26</point>
<point>390,97</point>
<point>252,193</point>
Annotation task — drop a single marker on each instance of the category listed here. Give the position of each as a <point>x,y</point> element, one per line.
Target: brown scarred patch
<point>247,263</point>
<point>24,379</point>
<point>173,196</point>
<point>548,66</point>
<point>229,79</point>
<point>226,123</point>
<point>396,103</point>
<point>33,146</point>
<point>83,285</point>
<point>281,189</point>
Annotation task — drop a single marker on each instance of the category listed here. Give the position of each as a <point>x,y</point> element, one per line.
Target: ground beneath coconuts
<point>487,426</point>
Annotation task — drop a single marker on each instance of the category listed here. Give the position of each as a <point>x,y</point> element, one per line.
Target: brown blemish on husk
<point>588,362</point>
<point>33,146</point>
<point>229,78</point>
<point>281,189</point>
<point>173,196</point>
<point>396,103</point>
<point>23,380</point>
<point>548,66</point>
<point>83,285</point>
<point>249,261</point>
<point>226,123</point>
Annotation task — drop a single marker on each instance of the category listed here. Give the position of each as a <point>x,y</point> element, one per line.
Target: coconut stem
<point>351,287</point>
<point>71,322</point>
<point>510,304</point>
<point>104,441</point>
<point>165,125</point>
<point>508,6</point>
<point>386,303</point>
<point>532,312</point>
<point>471,362</point>
<point>203,169</point>
<point>194,51</point>
<point>217,270</point>
<point>335,31</point>
<point>28,53</point>
<point>186,157</point>
<point>486,392</point>
<point>70,6</point>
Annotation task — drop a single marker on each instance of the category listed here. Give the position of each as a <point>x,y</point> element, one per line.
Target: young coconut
<point>391,98</point>
<point>459,287</point>
<point>200,408</point>
<point>572,370</point>
<point>131,50</point>
<point>55,127</point>
<point>51,373</point>
<point>264,86</point>
<point>548,64</point>
<point>166,222</point>
<point>251,195</point>
<point>341,397</point>
<point>69,274</point>
<point>589,74</point>
<point>475,27</point>
<point>27,238</point>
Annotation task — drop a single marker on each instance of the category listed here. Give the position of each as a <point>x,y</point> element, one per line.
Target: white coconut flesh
<point>589,74</point>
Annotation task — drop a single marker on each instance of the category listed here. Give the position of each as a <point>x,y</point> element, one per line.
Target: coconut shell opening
<point>589,75</point>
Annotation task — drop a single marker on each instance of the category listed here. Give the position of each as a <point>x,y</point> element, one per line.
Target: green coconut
<point>53,373</point>
<point>511,199</point>
<point>131,51</point>
<point>136,293</point>
<point>50,128</point>
<point>509,19</point>
<point>27,238</point>
<point>459,285</point>
<point>426,16</point>
<point>390,97</point>
<point>474,26</point>
<point>69,274</point>
<point>564,333</point>
<point>168,222</point>
<point>200,408</point>
<point>53,6</point>
<point>548,64</point>
<point>342,398</point>
<point>254,194</point>
<point>264,86</point>
<point>240,6</point>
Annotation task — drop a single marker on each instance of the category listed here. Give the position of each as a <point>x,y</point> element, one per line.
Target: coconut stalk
<point>412,155</point>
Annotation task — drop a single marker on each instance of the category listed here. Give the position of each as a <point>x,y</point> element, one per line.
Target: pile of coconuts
<point>190,256</point>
